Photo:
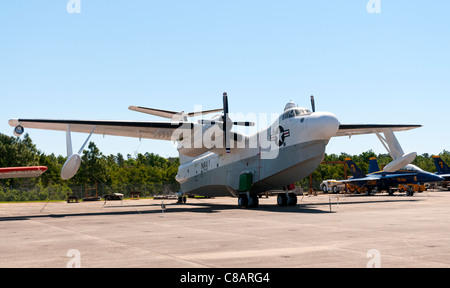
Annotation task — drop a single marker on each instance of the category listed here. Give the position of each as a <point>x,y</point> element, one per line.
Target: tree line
<point>148,173</point>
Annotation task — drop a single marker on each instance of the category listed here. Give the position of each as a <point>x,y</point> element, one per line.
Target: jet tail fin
<point>373,165</point>
<point>354,169</point>
<point>441,166</point>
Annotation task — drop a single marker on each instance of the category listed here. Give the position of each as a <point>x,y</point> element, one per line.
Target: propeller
<point>226,123</point>
<point>313,104</point>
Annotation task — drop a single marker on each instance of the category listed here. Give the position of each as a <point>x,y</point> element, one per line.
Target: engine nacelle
<point>201,139</point>
<point>71,167</point>
<point>18,130</point>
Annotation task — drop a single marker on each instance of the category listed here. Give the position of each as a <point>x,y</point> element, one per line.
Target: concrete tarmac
<point>320,231</point>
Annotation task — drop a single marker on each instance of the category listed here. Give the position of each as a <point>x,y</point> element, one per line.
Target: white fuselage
<point>267,153</point>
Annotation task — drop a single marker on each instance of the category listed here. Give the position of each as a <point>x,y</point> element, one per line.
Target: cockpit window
<point>412,167</point>
<point>295,112</point>
<point>286,115</point>
<point>302,111</point>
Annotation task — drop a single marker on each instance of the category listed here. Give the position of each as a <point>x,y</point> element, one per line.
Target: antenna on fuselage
<point>313,105</point>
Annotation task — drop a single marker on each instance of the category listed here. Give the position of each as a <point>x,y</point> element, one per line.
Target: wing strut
<point>73,162</point>
<point>393,147</point>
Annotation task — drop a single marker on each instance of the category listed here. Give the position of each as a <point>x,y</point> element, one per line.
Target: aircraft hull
<point>292,164</point>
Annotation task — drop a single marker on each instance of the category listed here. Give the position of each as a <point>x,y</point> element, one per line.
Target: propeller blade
<point>209,122</point>
<point>245,123</point>
<point>313,104</point>
<point>225,122</point>
<point>225,104</point>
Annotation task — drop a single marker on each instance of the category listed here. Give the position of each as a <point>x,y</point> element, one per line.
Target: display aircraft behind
<point>384,180</point>
<point>373,165</point>
<point>442,168</point>
<point>216,161</point>
<point>22,172</point>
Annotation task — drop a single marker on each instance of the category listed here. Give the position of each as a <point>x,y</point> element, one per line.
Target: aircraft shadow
<point>205,207</point>
<point>170,208</point>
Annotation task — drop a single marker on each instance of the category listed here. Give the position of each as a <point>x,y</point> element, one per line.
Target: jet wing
<point>371,178</point>
<point>363,179</point>
<point>161,130</point>
<point>359,129</point>
<point>22,172</point>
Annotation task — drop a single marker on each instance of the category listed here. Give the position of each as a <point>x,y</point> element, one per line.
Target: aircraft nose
<point>430,177</point>
<point>437,178</point>
<point>322,125</point>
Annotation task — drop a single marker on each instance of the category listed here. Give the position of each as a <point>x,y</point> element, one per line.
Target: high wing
<point>359,129</point>
<point>161,130</point>
<point>389,141</point>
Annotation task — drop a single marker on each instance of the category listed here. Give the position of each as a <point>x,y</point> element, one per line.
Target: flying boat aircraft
<point>216,161</point>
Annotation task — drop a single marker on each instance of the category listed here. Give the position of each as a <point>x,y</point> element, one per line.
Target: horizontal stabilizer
<point>171,114</point>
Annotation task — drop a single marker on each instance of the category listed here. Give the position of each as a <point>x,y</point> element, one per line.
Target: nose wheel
<point>410,191</point>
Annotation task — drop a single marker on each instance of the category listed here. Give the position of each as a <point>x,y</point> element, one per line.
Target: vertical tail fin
<point>441,166</point>
<point>373,165</point>
<point>354,169</point>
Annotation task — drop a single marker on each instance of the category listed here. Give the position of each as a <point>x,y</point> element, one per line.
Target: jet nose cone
<point>322,125</point>
<point>438,178</point>
<point>430,177</point>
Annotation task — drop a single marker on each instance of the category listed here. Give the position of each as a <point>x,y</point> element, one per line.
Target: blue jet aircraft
<point>383,180</point>
<point>442,168</point>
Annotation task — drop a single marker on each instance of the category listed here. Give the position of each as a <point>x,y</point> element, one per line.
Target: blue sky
<point>392,67</point>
